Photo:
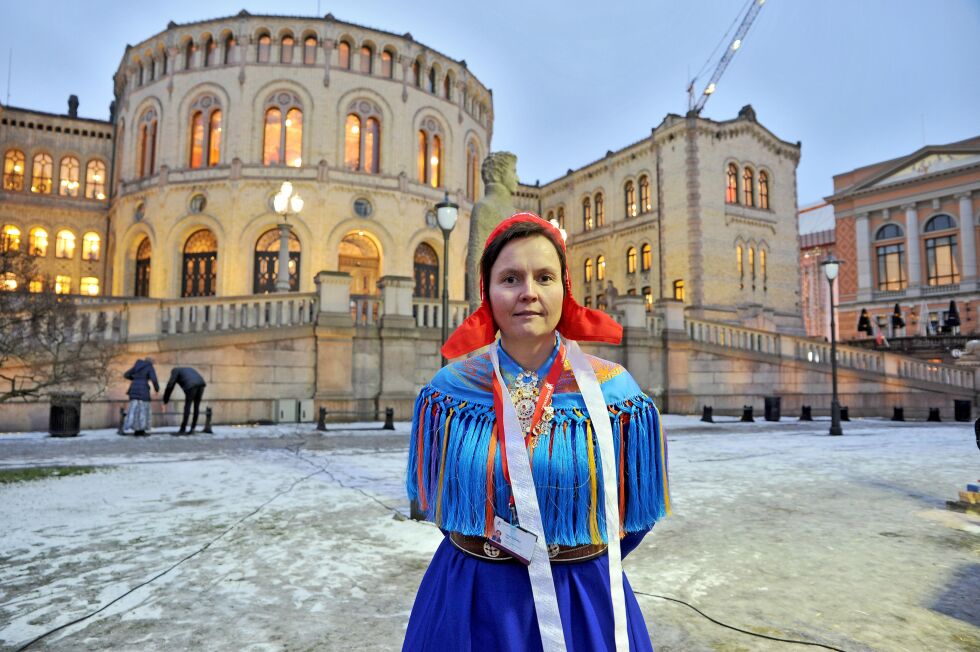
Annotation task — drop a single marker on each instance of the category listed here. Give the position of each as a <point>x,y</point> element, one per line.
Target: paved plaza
<point>281,538</point>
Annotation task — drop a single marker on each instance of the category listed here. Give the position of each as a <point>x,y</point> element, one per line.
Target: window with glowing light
<point>282,142</point>
<point>587,270</point>
<point>362,137</point>
<point>64,244</point>
<point>36,285</point>
<point>266,262</point>
<point>95,180</point>
<point>646,257</point>
<point>42,173</point>
<point>89,286</point>
<point>68,184</point>
<point>748,183</point>
<point>309,51</point>
<point>387,69</point>
<point>38,242</point>
<point>629,197</point>
<point>343,55</point>
<point>600,268</point>
<point>645,205</point>
<point>367,59</point>
<point>10,238</point>
<point>430,153</point>
<point>91,246</point>
<point>731,186</point>
<point>648,298</point>
<point>286,47</point>
<point>679,290</point>
<point>764,189</point>
<point>13,170</point>
<point>587,214</point>
<point>62,284</point>
<point>740,266</point>
<point>631,260</point>
<point>264,51</point>
<point>205,132</point>
<point>600,210</point>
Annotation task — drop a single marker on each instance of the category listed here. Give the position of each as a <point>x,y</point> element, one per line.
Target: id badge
<point>514,540</point>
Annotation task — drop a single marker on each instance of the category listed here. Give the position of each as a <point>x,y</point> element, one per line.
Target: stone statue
<point>611,295</point>
<point>499,172</point>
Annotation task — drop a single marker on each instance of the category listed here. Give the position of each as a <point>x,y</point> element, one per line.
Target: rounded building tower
<point>370,127</point>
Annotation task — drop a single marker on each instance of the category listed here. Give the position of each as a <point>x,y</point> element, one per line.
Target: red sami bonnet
<point>576,323</point>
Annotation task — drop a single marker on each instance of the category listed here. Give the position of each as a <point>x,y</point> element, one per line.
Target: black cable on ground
<point>743,631</point>
<point>175,565</point>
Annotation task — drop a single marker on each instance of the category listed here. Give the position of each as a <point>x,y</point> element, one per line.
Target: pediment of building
<point>928,164</point>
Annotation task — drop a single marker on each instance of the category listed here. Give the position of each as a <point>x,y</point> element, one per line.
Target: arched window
<point>600,268</point>
<point>748,181</point>
<point>89,286</point>
<point>42,173</point>
<point>68,183</point>
<point>95,180</point>
<point>387,69</point>
<point>752,266</point>
<point>164,60</point>
<point>472,170</point>
<point>629,197</point>
<point>267,262</point>
<point>417,73</point>
<point>561,217</point>
<point>648,298</point>
<point>430,153</point>
<point>199,269</point>
<point>140,71</point>
<point>432,80</point>
<point>447,87</point>
<point>309,50</point>
<point>367,59</point>
<point>942,261</point>
<point>352,142</point>
<point>230,49</point>
<point>13,170</point>
<point>343,55</point>
<point>940,222</point>
<point>889,231</point>
<point>38,242</point>
<point>646,257</point>
<point>740,266</point>
<point>146,154</point>
<point>264,49</point>
<point>11,238</point>
<point>282,142</point>
<point>587,214</point>
<point>210,52</point>
<point>64,246</point>
<point>631,260</point>
<point>91,246</point>
<point>205,132</point>
<point>587,270</point>
<point>762,269</point>
<point>142,280</point>
<point>679,289</point>
<point>763,189</point>
<point>731,186</point>
<point>426,266</point>
<point>362,137</point>
<point>645,205</point>
<point>286,47</point>
<point>189,50</point>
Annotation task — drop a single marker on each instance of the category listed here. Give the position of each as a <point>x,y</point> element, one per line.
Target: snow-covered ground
<point>282,538</point>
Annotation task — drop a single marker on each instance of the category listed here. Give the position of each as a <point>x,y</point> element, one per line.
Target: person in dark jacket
<point>193,385</point>
<point>141,375</point>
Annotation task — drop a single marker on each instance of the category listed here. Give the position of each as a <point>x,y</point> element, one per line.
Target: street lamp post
<point>831,267</point>
<point>285,202</point>
<point>446,215</point>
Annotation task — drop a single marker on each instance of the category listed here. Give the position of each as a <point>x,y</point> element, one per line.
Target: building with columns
<point>906,230</point>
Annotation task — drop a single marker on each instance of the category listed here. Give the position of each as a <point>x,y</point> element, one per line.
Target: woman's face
<point>526,289</point>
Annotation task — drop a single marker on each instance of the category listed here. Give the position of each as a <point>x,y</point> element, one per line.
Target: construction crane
<point>750,14</point>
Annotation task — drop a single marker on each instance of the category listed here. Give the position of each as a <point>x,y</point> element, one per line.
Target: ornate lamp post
<point>446,215</point>
<point>285,202</point>
<point>831,267</point>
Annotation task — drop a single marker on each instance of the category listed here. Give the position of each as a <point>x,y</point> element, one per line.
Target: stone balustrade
<point>428,312</point>
<point>211,314</point>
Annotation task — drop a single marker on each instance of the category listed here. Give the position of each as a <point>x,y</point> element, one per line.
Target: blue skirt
<point>465,604</point>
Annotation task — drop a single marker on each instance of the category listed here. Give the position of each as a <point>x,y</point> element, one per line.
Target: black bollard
<point>976,431</point>
<point>747,413</point>
<point>806,414</point>
<point>843,413</point>
<point>706,414</point>
<point>898,413</point>
<point>122,420</point>
<point>208,413</point>
<point>321,422</point>
<point>389,419</point>
<point>933,415</point>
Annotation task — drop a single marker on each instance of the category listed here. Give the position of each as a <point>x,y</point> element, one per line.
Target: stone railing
<point>104,321</point>
<point>365,309</point>
<point>210,314</point>
<point>428,312</point>
<point>733,337</point>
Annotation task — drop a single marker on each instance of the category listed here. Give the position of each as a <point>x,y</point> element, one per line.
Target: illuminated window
<point>210,56</point>
<point>472,170</point>
<point>343,55</point>
<point>286,47</point>
<point>68,177</point>
<point>65,244</point>
<point>42,173</point>
<point>199,269</point>
<point>587,270</point>
<point>146,154</point>
<point>646,257</point>
<point>752,266</point>
<point>352,142</point>
<point>362,138</point>
<point>88,285</point>
<point>197,139</point>
<point>266,262</point>
<point>423,149</point>
<point>13,170</point>
<point>387,69</point>
<point>631,260</point>
<point>763,270</point>
<point>679,290</point>
<point>36,285</point>
<point>430,153</point>
<point>600,210</point>
<point>283,139</point>
<point>435,163</point>
<point>8,282</point>
<point>648,298</point>
<point>309,50</point>
<point>629,197</point>
<point>230,49</point>
<point>731,187</point>
<point>587,214</point>
<point>205,132</point>
<point>764,189</point>
<point>38,242</point>
<point>91,246</point>
<point>11,238</point>
<point>740,266</point>
<point>62,284</point>
<point>748,181</point>
<point>600,268</point>
<point>95,180</point>
<point>941,260</point>
<point>645,205</point>
<point>367,59</point>
<point>264,49</point>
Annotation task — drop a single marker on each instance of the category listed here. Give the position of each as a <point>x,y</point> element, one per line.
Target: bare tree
<point>46,342</point>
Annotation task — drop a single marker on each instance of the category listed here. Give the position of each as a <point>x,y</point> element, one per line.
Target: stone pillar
<point>282,280</point>
<point>334,332</point>
<point>675,356</point>
<point>967,238</point>
<point>399,347</point>
<point>142,321</point>
<point>863,243</point>
<point>912,245</point>
<point>638,341</point>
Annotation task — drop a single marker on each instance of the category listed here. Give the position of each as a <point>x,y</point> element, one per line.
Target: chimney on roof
<point>72,106</point>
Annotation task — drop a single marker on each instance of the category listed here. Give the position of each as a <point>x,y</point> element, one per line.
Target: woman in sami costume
<point>478,594</point>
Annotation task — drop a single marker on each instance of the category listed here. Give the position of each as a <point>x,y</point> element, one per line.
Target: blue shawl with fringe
<point>454,464</point>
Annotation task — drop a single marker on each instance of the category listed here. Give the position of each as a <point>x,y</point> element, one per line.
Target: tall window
<point>230,49</point>
<point>367,59</point>
<point>631,260</point>
<point>38,242</point>
<point>282,142</point>
<point>267,262</point>
<point>205,132</point>
<point>432,80</point>
<point>343,55</point>
<point>748,181</point>
<point>645,205</point>
<point>430,153</point>
<point>600,268</point>
<point>91,246</point>
<point>41,175</point>
<point>587,270</point>
<point>890,256</point>
<point>740,266</point>
<point>210,52</point>
<point>200,261</point>
<point>731,184</point>
<point>679,289</point>
<point>68,183</point>
<point>426,267</point>
<point>587,214</point>
<point>417,73</point>
<point>142,277</point>
<point>648,298</point>
<point>447,87</point>
<point>264,49</point>
<point>763,271</point>
<point>600,210</point>
<point>561,217</point>
<point>752,265</point>
<point>309,50</point>
<point>472,170</point>
<point>95,180</point>
<point>65,244</point>
<point>13,170</point>
<point>763,189</point>
<point>189,50</point>
<point>629,197</point>
<point>286,47</point>
<point>11,238</point>
<point>362,139</point>
<point>146,154</point>
<point>646,257</point>
<point>387,69</point>
<point>942,263</point>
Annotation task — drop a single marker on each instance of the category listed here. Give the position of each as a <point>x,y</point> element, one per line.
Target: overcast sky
<point>857,81</point>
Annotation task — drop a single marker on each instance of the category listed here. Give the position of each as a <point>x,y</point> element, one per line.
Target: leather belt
<point>481,548</point>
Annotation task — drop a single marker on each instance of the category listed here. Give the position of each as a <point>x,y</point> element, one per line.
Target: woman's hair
<point>516,231</point>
